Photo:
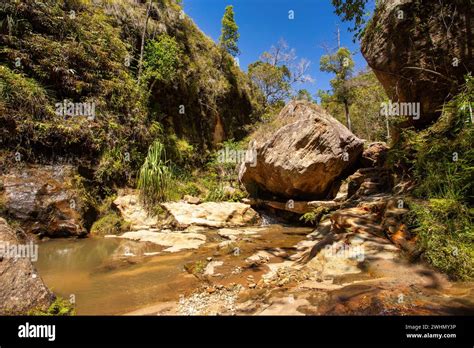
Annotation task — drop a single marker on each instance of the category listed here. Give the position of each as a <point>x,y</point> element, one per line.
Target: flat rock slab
<point>175,241</point>
<point>233,234</point>
<point>211,214</point>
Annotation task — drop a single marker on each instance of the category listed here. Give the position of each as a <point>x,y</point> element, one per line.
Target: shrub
<point>446,235</point>
<point>441,160</point>
<point>111,223</point>
<point>60,307</point>
<point>155,175</point>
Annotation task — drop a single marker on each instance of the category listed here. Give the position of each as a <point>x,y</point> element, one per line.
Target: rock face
<point>43,200</point>
<point>302,159</point>
<point>211,214</point>
<point>22,289</point>
<point>374,155</point>
<point>420,51</point>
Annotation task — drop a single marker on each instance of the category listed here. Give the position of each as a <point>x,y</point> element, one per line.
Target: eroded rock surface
<point>22,289</point>
<point>420,51</point>
<point>43,200</point>
<point>303,158</point>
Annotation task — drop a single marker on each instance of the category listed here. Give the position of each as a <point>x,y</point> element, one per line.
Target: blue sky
<point>263,22</point>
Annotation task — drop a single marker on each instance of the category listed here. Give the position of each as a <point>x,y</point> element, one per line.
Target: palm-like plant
<point>155,175</point>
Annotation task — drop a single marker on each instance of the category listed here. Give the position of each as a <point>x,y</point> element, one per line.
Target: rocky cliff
<point>87,54</point>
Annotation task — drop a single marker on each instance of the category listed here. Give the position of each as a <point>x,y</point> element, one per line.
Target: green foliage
<point>111,223</point>
<point>155,176</point>
<point>162,59</point>
<point>273,81</point>
<point>230,32</point>
<point>367,95</point>
<point>352,10</point>
<point>340,64</point>
<point>60,307</point>
<point>446,235</point>
<point>441,157</point>
<point>315,216</point>
<point>26,94</point>
<point>113,167</point>
<point>441,160</point>
<point>304,94</point>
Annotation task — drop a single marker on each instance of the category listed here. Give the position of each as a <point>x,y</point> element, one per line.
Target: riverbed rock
<point>22,288</point>
<point>368,181</point>
<point>174,241</point>
<point>134,213</point>
<point>259,258</point>
<point>374,155</point>
<point>420,51</point>
<point>303,158</point>
<point>44,201</point>
<point>211,214</point>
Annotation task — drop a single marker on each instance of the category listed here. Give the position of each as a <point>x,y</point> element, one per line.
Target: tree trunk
<point>142,45</point>
<point>348,117</point>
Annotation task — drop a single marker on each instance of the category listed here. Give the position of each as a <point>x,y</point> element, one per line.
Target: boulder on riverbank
<point>22,288</point>
<point>43,200</point>
<point>303,158</point>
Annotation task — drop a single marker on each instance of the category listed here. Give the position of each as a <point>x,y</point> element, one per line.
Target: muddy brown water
<point>102,277</point>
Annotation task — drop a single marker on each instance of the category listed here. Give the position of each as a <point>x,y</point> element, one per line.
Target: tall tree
<point>142,44</point>
<point>277,71</point>
<point>230,32</point>
<point>342,65</point>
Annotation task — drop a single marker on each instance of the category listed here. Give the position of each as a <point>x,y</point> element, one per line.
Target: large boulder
<point>43,200</point>
<point>22,289</point>
<point>303,158</point>
<point>420,51</point>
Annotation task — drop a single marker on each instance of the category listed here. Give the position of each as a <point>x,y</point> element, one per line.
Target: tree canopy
<point>230,32</point>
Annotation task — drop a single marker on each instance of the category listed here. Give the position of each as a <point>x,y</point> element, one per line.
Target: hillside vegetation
<point>58,52</point>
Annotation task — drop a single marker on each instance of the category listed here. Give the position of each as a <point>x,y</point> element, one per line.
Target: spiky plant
<point>155,175</point>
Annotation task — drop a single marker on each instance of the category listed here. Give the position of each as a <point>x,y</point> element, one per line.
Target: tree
<point>272,80</point>
<point>162,57</point>
<point>367,96</point>
<point>303,94</point>
<point>277,71</point>
<point>352,10</point>
<point>142,44</point>
<point>342,65</point>
<point>229,33</point>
